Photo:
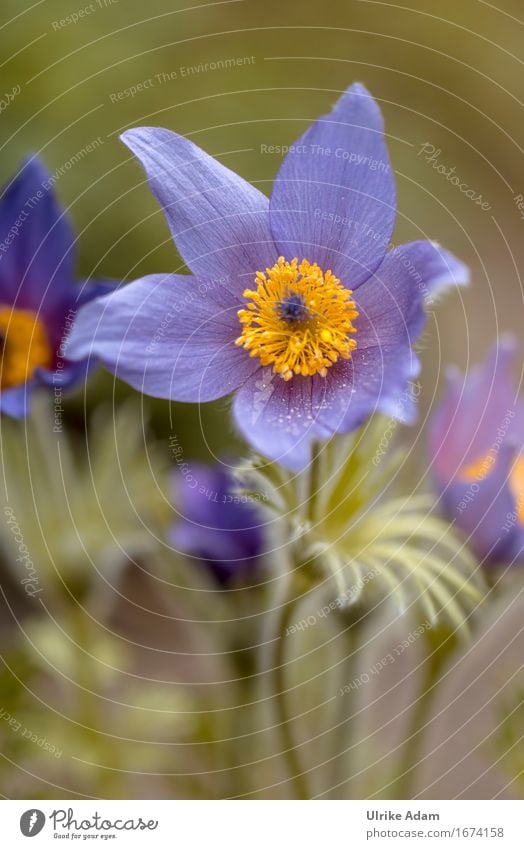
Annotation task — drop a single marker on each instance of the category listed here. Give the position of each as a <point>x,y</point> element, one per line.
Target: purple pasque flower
<point>216,524</point>
<point>38,299</point>
<point>294,302</point>
<point>476,445</point>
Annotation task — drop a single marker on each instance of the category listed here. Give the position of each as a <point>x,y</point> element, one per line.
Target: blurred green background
<point>446,74</point>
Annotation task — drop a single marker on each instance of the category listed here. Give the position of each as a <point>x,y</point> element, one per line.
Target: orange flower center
<point>24,346</point>
<point>298,319</point>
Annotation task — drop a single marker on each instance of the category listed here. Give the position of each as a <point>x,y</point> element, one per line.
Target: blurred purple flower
<point>295,302</point>
<point>217,525</point>
<point>476,443</point>
<point>38,301</point>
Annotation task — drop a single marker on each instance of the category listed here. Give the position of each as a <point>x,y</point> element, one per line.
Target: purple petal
<point>516,555</point>
<point>334,199</point>
<point>87,290</point>
<point>281,419</point>
<point>15,402</point>
<point>478,414</point>
<point>380,380</point>
<point>482,508</point>
<point>391,318</point>
<point>220,223</point>
<point>391,302</point>
<point>433,268</point>
<point>167,335</point>
<point>212,526</point>
<point>36,242</point>
<point>65,375</point>
<point>59,322</point>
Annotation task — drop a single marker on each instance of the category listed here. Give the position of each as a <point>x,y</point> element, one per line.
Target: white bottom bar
<point>263,825</point>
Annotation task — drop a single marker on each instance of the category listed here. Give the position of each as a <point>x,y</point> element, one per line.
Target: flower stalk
<point>289,749</point>
<point>439,647</point>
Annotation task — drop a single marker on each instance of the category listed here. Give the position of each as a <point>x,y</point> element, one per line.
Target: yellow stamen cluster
<point>298,320</point>
<point>24,346</point>
<point>480,469</point>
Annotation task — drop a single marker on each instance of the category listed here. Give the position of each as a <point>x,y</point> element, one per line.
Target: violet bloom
<point>38,300</point>
<point>476,443</point>
<point>294,303</point>
<point>216,525</point>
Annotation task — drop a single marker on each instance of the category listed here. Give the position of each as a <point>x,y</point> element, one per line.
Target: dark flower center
<point>293,308</point>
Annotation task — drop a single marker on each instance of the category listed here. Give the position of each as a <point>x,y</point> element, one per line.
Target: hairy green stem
<point>313,483</point>
<point>439,647</point>
<point>285,726</point>
<point>346,703</point>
